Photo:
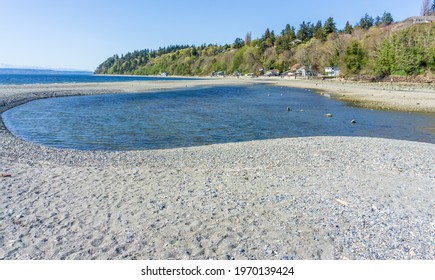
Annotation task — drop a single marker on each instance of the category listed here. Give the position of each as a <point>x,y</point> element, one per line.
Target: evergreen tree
<point>387,18</point>
<point>384,59</point>
<point>272,38</point>
<point>355,57</point>
<point>318,31</point>
<point>378,21</point>
<point>329,27</point>
<point>194,51</point>
<point>238,43</point>
<point>267,38</point>
<point>305,32</point>
<point>284,42</point>
<point>289,32</point>
<point>366,22</point>
<point>348,28</point>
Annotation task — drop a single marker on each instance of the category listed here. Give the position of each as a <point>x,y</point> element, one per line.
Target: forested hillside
<point>375,47</point>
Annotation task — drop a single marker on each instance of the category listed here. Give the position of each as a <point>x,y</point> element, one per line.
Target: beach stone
<point>129,236</point>
<point>162,206</point>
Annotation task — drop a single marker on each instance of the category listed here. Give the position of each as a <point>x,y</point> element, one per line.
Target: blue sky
<point>80,34</point>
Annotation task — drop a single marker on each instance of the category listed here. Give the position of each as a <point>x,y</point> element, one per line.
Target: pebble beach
<point>298,198</point>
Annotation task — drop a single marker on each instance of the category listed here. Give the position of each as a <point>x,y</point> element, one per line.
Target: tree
<point>305,31</point>
<point>272,37</point>
<point>318,31</point>
<point>289,32</point>
<point>348,28</point>
<point>193,51</point>
<point>329,27</point>
<point>237,60</point>
<point>387,18</point>
<point>366,22</point>
<point>378,21</point>
<point>284,42</point>
<point>384,59</point>
<point>355,57</point>
<point>238,43</point>
<point>268,38</point>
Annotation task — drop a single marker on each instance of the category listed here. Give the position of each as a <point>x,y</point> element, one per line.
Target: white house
<point>332,71</point>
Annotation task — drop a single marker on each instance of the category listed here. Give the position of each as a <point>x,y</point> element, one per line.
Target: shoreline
<point>295,198</point>
<point>403,97</point>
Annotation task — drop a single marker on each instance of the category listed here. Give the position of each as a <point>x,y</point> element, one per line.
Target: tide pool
<point>203,116</point>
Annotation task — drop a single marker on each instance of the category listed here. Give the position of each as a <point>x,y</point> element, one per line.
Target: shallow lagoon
<point>183,118</point>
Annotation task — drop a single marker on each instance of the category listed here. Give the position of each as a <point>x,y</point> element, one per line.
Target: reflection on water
<point>203,116</point>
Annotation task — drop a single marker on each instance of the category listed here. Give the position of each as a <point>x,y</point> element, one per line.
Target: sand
<point>298,198</point>
<point>384,96</point>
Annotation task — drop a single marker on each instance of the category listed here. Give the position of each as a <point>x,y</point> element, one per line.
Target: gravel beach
<point>298,198</point>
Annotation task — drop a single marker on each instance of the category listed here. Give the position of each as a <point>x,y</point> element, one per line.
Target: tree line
<point>375,46</point>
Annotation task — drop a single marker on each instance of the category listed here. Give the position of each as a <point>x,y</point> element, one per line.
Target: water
<point>23,76</point>
<point>184,118</point>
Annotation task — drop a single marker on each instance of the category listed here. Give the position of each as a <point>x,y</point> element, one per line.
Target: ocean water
<point>24,76</point>
<point>184,118</point>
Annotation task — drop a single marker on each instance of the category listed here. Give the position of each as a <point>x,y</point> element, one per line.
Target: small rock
<point>289,109</point>
<point>353,121</point>
<point>328,115</point>
<point>342,202</point>
<point>129,236</point>
<point>19,216</point>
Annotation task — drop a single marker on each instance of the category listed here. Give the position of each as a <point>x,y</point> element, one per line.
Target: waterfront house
<point>272,72</point>
<point>299,70</point>
<point>331,71</point>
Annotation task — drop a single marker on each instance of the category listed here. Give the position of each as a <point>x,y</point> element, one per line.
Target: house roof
<point>295,67</point>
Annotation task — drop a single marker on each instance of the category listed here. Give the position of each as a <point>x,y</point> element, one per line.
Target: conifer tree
<point>318,31</point>
<point>348,28</point>
<point>329,27</point>
<point>366,22</point>
<point>387,18</point>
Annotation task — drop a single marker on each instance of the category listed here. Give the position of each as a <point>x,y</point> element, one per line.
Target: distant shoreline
<point>406,97</point>
<point>392,96</point>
